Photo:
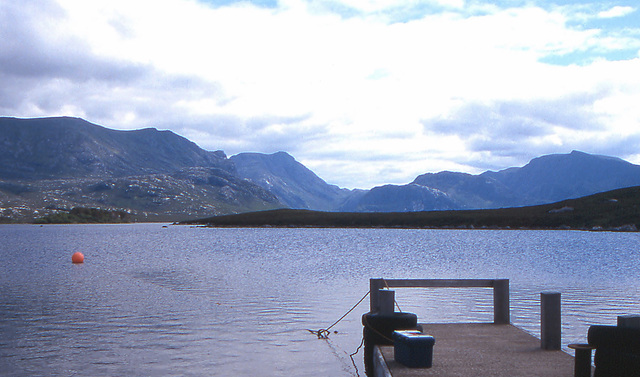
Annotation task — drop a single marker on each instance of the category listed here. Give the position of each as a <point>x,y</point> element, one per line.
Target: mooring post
<point>501,314</point>
<point>386,301</point>
<point>550,321</point>
<point>629,321</point>
<point>375,285</point>
<point>582,363</point>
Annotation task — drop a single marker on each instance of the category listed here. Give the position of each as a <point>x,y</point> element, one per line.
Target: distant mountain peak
<point>292,183</point>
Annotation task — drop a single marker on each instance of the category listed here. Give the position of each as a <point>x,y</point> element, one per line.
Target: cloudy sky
<point>362,92</point>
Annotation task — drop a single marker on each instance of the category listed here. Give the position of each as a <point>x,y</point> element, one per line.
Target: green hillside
<point>85,216</point>
<point>613,210</point>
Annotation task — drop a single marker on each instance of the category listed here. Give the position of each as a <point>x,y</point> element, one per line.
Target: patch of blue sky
<point>405,11</point>
<point>618,26</point>
<point>415,11</point>
<point>400,12</point>
<point>587,14</point>
<point>585,57</point>
<point>337,7</point>
<point>258,3</point>
<point>603,16</point>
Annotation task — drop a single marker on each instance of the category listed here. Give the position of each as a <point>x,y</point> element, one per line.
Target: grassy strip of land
<point>79,215</point>
<point>613,210</point>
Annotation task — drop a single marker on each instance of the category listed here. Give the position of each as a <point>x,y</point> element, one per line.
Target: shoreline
<point>622,229</point>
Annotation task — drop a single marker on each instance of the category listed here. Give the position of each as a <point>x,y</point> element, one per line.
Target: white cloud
<point>349,95</point>
<point>616,11</point>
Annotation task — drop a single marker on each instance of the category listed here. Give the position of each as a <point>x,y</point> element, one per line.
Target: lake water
<point>184,301</point>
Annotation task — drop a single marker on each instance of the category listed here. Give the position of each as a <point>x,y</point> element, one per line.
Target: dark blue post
<point>550,321</point>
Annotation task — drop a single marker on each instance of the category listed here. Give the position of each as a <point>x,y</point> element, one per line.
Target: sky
<point>364,93</point>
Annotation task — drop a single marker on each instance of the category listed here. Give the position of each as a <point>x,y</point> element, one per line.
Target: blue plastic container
<point>413,348</point>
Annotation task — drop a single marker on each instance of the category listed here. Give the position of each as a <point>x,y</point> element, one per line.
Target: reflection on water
<point>193,301</point>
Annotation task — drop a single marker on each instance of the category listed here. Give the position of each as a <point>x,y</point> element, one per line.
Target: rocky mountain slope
<point>393,198</point>
<point>72,148</point>
<point>52,163</point>
<point>291,182</point>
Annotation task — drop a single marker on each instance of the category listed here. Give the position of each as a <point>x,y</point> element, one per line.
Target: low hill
<point>80,215</point>
<point>613,210</point>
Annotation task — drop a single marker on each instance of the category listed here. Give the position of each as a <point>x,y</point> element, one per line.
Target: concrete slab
<point>483,349</point>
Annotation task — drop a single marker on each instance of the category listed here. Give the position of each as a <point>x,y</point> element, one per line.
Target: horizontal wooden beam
<point>439,283</point>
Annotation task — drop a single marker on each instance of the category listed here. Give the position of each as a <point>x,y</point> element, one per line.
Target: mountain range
<point>55,164</point>
<point>545,179</point>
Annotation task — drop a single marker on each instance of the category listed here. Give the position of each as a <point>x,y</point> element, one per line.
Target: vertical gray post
<point>550,321</point>
<point>582,362</point>
<point>386,300</point>
<point>629,321</point>
<point>375,285</point>
<point>501,314</point>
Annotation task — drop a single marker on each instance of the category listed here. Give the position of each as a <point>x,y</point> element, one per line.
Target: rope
<point>324,333</point>
<point>355,353</point>
<point>394,300</point>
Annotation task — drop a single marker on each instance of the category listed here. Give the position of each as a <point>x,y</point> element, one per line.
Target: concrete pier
<point>479,349</point>
<point>484,349</point>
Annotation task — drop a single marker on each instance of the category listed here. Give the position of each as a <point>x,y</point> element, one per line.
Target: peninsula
<point>617,210</point>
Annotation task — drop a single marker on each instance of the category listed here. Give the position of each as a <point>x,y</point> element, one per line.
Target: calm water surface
<point>154,301</point>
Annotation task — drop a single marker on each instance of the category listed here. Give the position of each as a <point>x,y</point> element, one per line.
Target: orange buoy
<point>77,257</point>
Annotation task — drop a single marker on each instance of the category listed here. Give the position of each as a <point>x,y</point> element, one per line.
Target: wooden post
<point>501,315</point>
<point>629,321</point>
<point>550,321</point>
<point>375,285</point>
<point>386,301</point>
<point>582,362</point>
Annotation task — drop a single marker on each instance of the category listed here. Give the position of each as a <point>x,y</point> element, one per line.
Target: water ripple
<point>240,300</point>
